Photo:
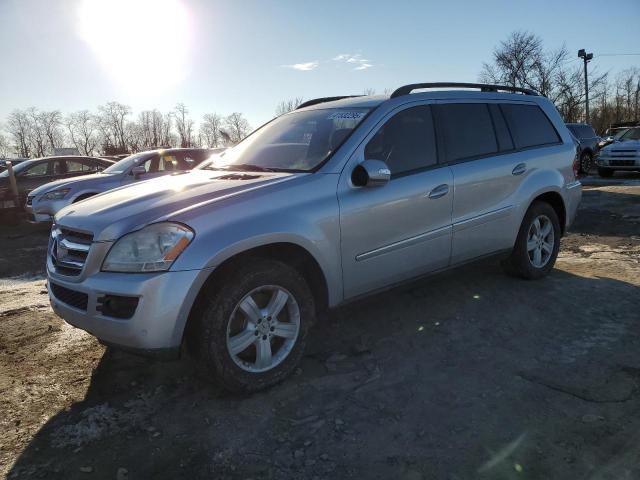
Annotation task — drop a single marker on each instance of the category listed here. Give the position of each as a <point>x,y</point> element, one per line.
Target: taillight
<point>576,164</point>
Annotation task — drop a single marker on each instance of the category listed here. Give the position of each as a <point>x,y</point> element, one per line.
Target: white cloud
<point>304,67</point>
<point>358,62</point>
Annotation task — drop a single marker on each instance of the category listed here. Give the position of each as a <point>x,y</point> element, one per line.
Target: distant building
<point>66,151</point>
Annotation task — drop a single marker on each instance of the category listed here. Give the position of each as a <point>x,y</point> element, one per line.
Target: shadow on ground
<point>470,374</point>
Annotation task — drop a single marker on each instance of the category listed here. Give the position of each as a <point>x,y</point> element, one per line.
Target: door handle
<point>519,169</point>
<point>439,191</point>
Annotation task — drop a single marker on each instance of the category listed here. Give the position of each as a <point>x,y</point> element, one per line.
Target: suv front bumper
<point>164,301</point>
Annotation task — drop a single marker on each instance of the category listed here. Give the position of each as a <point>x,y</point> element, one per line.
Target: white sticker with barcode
<point>346,115</point>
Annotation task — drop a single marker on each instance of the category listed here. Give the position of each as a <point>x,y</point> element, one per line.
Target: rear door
<point>402,229</point>
<point>492,148</point>
<point>79,166</point>
<point>477,145</point>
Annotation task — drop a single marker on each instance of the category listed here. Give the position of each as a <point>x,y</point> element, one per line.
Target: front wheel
<point>250,332</point>
<point>537,244</point>
<point>605,172</point>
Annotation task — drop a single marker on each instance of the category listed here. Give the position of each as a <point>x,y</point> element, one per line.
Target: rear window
<point>587,131</point>
<point>529,126</point>
<point>467,130</point>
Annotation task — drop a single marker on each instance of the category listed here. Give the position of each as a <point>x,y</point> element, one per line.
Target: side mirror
<point>371,173</point>
<point>137,171</point>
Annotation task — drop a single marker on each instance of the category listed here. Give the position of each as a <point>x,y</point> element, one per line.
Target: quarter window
<point>467,130</point>
<point>406,142</point>
<point>529,125</point>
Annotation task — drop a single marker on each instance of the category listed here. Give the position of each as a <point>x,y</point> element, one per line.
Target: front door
<point>402,229</point>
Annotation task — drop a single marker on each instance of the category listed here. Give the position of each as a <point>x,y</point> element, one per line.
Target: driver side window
<point>406,142</point>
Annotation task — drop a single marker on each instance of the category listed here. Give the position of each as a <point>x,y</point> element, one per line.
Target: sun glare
<point>143,44</point>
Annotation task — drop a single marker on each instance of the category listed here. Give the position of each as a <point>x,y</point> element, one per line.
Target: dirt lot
<point>470,374</point>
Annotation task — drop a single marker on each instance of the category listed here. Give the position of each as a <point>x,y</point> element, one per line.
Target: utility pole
<point>585,58</point>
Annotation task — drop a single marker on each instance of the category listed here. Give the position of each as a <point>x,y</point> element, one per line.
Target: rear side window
<point>406,142</point>
<point>467,130</point>
<point>529,126</point>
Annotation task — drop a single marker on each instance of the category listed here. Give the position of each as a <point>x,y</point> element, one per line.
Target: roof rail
<point>484,87</point>
<point>316,101</point>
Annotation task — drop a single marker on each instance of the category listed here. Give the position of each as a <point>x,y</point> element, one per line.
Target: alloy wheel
<point>263,328</point>
<point>540,241</point>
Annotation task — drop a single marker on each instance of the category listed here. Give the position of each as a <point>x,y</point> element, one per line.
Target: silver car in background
<point>45,201</point>
<point>336,200</point>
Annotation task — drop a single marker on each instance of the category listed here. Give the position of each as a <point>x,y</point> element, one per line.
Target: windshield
<point>620,133</point>
<point>125,164</point>
<point>631,134</point>
<point>17,168</point>
<point>297,141</point>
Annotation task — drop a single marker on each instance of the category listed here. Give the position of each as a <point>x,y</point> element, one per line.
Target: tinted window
<point>406,142</point>
<point>587,131</point>
<point>37,170</point>
<point>505,143</point>
<point>77,166</point>
<point>467,130</point>
<point>529,125</point>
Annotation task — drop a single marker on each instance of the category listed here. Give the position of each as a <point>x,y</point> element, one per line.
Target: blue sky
<point>225,56</point>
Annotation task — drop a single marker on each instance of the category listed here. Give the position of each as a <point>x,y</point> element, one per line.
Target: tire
<point>522,261</point>
<point>586,161</point>
<point>219,317</point>
<point>605,172</point>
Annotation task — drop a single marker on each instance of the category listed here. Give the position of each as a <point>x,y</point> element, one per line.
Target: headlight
<point>56,194</point>
<point>151,249</point>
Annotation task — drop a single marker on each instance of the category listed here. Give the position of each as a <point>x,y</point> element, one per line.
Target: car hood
<point>73,181</point>
<point>112,214</point>
<point>626,145</point>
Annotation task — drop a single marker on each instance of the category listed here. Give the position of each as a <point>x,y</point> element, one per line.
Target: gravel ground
<point>470,374</point>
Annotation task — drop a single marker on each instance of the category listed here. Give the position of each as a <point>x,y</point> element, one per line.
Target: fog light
<point>117,306</point>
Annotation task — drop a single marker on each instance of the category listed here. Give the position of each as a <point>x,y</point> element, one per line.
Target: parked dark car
<point>31,174</point>
<point>588,144</point>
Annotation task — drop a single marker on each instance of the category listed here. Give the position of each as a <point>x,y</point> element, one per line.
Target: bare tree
<point>237,127</point>
<point>184,125</point>
<point>113,120</point>
<point>286,106</point>
<point>210,130</point>
<point>51,124</point>
<point>5,146</point>
<point>522,61</point>
<point>83,131</point>
<point>19,126</point>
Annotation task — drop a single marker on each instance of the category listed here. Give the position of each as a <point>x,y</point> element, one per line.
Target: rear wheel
<point>605,172</point>
<point>250,333</point>
<point>586,161</point>
<point>537,244</point>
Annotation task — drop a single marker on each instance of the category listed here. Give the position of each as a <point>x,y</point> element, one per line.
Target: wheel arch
<point>289,253</point>
<point>556,201</point>
<point>84,196</point>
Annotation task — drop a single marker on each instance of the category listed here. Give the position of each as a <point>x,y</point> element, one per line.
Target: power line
<point>616,54</point>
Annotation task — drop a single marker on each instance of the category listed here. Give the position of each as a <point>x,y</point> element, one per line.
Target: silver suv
<point>335,200</point>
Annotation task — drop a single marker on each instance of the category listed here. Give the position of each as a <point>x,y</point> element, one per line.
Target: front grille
<point>620,153</point>
<point>72,298</point>
<point>69,250</point>
<point>622,163</point>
